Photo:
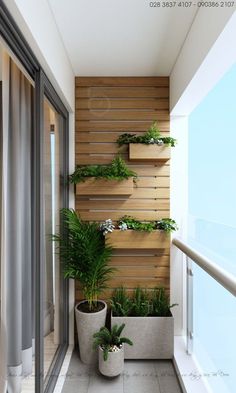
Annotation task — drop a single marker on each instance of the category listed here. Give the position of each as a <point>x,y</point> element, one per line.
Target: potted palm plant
<point>85,257</point>
<point>111,350</point>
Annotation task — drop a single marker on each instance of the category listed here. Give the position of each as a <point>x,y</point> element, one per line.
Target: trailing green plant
<point>120,302</point>
<point>110,340</point>
<point>165,224</point>
<point>142,303</point>
<point>160,303</point>
<point>151,136</point>
<point>84,255</point>
<point>117,170</point>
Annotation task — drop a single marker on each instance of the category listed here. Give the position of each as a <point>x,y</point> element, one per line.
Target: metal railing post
<point>189,288</point>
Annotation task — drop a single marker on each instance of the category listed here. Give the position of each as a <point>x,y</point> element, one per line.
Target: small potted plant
<point>148,322</point>
<point>132,233</point>
<point>110,346</point>
<point>85,257</point>
<point>150,146</point>
<point>113,179</point>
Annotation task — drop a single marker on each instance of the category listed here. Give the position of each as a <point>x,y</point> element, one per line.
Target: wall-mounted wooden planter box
<point>93,186</point>
<point>142,152</point>
<point>138,240</point>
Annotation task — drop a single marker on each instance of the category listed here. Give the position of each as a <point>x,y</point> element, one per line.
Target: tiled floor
<point>138,377</point>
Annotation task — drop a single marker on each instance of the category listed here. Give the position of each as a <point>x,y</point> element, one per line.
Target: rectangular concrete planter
<point>93,186</point>
<point>138,239</point>
<point>142,152</point>
<point>152,337</point>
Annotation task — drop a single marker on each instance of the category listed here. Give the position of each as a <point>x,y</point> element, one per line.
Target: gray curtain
<point>18,252</point>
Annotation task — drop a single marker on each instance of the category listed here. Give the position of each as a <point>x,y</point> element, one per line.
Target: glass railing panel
<point>214,327</point>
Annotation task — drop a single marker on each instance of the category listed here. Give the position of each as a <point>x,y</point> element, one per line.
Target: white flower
<point>160,142</point>
<point>107,226</point>
<point>151,141</point>
<point>123,226</point>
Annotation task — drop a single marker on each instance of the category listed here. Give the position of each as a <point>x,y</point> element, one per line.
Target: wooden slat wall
<point>106,108</point>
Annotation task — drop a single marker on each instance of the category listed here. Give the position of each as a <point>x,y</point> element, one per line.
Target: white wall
<point>202,58</point>
<point>36,22</point>
<point>178,211</point>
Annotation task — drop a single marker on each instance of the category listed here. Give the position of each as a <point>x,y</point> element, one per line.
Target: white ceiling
<point>121,37</point>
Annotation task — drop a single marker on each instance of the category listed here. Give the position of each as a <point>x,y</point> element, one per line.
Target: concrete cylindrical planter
<point>114,365</point>
<point>87,325</point>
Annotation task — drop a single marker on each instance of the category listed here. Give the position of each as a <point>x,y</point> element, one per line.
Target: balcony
<point>116,115</point>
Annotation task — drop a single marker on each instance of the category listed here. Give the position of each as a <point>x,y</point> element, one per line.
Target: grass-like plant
<point>110,340</point>
<point>141,303</point>
<point>121,304</point>
<point>151,136</point>
<point>117,170</point>
<point>84,255</point>
<point>160,303</point>
<point>165,224</point>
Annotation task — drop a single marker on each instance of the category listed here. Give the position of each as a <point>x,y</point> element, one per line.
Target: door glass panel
<point>52,204</point>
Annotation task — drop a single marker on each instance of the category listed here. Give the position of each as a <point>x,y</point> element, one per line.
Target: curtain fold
<point>17,190</point>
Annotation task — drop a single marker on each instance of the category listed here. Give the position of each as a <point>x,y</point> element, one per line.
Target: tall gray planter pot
<point>114,365</point>
<point>88,324</point>
<point>153,337</point>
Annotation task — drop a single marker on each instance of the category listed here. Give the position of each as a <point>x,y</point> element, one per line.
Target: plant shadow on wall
<point>85,257</point>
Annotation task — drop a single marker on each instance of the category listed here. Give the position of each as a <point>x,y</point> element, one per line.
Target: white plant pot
<point>152,337</point>
<point>114,365</point>
<point>88,324</point>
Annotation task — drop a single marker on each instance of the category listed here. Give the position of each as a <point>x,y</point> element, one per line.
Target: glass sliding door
<point>33,186</point>
<point>53,202</point>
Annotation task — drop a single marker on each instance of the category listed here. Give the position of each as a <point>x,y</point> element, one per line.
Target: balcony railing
<point>210,319</point>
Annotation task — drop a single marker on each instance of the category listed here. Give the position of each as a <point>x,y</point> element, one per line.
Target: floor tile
<point>139,384</point>
<point>138,377</point>
<point>100,384</point>
<point>167,378</point>
<point>75,386</point>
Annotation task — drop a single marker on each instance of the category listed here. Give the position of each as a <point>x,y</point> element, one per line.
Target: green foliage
<point>142,303</point>
<point>161,303</point>
<point>137,225</point>
<point>107,339</point>
<point>151,136</point>
<point>84,255</point>
<point>117,170</point>
<point>121,304</point>
<point>166,224</point>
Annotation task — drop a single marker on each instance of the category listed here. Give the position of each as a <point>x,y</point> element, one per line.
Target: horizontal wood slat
<point>122,115</point>
<point>99,158</point>
<point>116,215</point>
<point>122,81</point>
<point>121,92</point>
<point>135,204</point>
<point>161,261</point>
<point>137,193</point>
<point>106,107</point>
<point>141,271</point>
<point>114,126</point>
<point>103,137</point>
<point>113,103</point>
